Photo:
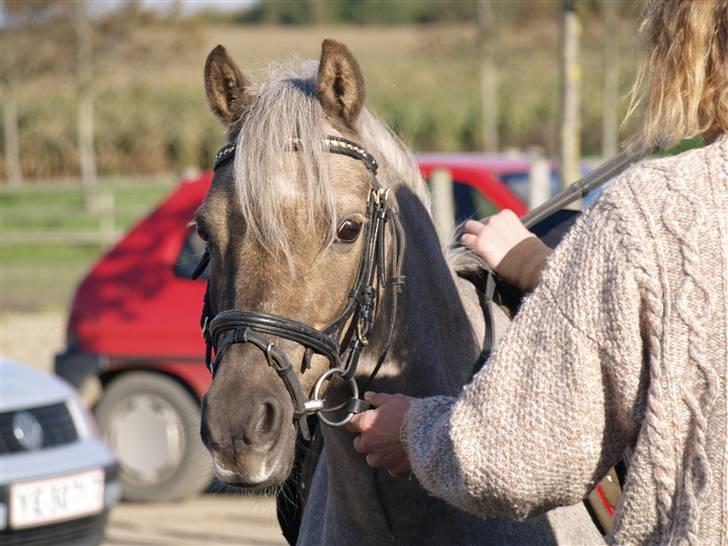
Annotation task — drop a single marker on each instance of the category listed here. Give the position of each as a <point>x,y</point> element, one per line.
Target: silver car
<point>58,480</point>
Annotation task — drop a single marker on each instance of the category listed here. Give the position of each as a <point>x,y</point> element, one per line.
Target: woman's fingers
<point>473,227</point>
<point>469,240</point>
<point>376,399</point>
<point>358,444</point>
<point>361,422</point>
<point>495,236</point>
<point>379,430</point>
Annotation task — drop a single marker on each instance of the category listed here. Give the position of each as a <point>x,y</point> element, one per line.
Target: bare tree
<point>85,39</point>
<point>11,70</point>
<point>13,172</point>
<point>98,37</point>
<point>84,84</point>
<point>488,75</point>
<point>610,101</point>
<point>24,52</point>
<point>570,126</point>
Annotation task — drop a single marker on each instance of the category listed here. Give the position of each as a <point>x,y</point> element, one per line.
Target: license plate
<point>55,499</point>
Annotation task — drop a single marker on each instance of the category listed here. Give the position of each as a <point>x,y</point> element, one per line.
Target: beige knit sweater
<point>623,344</point>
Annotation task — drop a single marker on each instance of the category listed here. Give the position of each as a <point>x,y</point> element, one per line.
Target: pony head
<point>284,231</point>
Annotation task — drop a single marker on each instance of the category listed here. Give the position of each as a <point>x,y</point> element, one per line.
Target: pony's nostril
<point>269,419</point>
<point>263,424</point>
<point>268,422</point>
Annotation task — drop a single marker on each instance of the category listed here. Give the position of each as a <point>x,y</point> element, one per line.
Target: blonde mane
<point>267,173</point>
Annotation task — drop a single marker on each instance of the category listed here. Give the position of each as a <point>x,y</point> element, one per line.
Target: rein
<point>345,338</point>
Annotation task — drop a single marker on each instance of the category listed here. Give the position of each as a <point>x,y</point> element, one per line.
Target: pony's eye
<point>348,231</point>
<point>201,233</point>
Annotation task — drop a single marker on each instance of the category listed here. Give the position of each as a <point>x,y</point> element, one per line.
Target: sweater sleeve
<point>558,401</point>
<point>523,264</point>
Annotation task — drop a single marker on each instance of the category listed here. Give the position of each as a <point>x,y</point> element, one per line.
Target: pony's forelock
<point>268,172</point>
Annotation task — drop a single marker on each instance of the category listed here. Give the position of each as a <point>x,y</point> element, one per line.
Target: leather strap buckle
<point>269,355</point>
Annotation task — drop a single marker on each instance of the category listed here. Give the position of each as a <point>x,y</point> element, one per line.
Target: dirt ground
<point>208,520</point>
<point>32,338</point>
<point>220,520</point>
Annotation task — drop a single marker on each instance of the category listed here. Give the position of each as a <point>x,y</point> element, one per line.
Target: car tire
<point>152,423</point>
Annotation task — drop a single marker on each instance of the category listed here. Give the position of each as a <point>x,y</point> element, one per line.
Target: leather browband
<point>336,145</point>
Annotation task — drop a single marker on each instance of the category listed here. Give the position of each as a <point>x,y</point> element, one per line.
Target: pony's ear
<point>340,82</point>
<point>226,87</point>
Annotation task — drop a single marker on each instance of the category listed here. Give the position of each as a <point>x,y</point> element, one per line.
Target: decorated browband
<point>337,145</point>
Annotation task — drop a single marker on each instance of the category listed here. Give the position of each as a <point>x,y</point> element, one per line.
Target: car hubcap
<point>148,436</point>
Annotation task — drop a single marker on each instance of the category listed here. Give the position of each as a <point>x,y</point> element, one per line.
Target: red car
<point>134,346</point>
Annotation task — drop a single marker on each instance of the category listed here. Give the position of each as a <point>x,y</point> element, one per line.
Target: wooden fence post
<point>539,178</point>
<point>105,210</point>
<point>443,206</point>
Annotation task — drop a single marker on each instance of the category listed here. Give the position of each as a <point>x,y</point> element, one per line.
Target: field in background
<point>48,240</point>
<point>152,116</point>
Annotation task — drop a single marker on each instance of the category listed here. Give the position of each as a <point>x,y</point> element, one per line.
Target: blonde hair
<point>684,83</point>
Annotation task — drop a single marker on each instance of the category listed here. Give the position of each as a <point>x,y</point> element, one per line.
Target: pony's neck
<point>436,341</point>
<point>433,351</point>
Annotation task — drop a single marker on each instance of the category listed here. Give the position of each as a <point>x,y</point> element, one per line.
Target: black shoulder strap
<point>484,284</point>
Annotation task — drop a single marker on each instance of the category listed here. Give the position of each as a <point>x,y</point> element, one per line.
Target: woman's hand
<point>378,430</point>
<point>493,237</point>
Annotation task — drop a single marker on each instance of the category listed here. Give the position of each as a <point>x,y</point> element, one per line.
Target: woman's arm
<point>556,404</point>
<point>508,248</point>
<point>523,264</point>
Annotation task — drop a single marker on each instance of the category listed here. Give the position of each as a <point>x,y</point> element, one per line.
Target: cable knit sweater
<point>624,344</point>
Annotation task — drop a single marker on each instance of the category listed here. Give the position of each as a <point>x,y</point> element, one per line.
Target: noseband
<point>344,339</point>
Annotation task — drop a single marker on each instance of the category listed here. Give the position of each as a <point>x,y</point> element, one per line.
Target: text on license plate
<point>54,499</point>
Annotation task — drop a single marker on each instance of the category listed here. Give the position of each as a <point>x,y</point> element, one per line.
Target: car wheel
<point>152,423</point>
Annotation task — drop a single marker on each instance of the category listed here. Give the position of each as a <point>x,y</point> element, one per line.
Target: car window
<point>189,257</point>
<point>517,183</point>
<point>470,203</point>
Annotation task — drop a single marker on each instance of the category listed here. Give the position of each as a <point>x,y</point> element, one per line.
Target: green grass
<point>54,208</point>
<point>43,275</point>
<point>47,254</point>
<point>40,277</point>
<point>40,284</point>
<point>30,197</point>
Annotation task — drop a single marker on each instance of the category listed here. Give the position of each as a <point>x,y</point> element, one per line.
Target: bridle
<point>345,338</point>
